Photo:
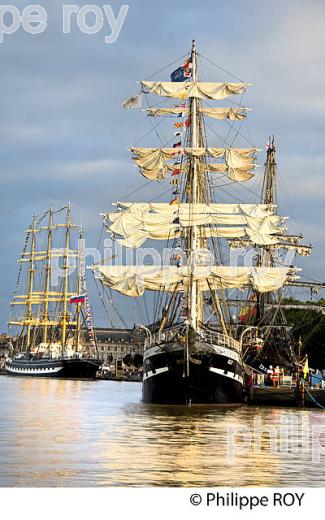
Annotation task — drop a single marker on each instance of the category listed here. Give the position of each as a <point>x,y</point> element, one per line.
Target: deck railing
<point>215,338</point>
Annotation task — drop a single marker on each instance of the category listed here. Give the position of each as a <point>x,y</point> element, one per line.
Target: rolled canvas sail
<point>134,280</point>
<point>200,90</point>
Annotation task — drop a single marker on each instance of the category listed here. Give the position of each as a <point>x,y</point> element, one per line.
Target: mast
<point>37,326</point>
<point>31,282</point>
<point>78,310</point>
<point>268,259</point>
<point>193,292</point>
<point>82,289</point>
<point>66,277</point>
<point>269,183</point>
<point>196,301</point>
<point>195,219</point>
<point>48,275</point>
<point>269,196</point>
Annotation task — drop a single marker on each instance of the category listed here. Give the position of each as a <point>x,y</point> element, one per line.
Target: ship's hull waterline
<point>73,368</point>
<point>213,375</point>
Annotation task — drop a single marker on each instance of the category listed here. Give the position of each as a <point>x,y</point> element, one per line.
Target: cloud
<point>64,135</point>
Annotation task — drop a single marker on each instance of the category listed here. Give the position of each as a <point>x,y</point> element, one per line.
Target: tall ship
<point>194,348</point>
<point>50,317</point>
<point>263,315</point>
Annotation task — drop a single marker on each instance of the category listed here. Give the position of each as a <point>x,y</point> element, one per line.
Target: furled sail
<point>280,242</point>
<point>234,114</point>
<point>252,210</point>
<point>238,162</point>
<point>137,224</point>
<point>197,89</point>
<point>191,215</point>
<point>136,237</point>
<point>134,280</point>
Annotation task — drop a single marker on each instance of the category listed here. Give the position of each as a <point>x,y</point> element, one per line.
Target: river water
<point>98,433</point>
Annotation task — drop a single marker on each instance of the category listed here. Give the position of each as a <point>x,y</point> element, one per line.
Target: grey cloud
<point>64,135</point>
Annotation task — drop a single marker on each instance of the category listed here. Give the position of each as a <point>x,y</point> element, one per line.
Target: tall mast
<point>66,277</point>
<point>79,290</point>
<point>269,183</point>
<point>31,282</point>
<point>269,196</point>
<point>48,275</point>
<point>193,292</point>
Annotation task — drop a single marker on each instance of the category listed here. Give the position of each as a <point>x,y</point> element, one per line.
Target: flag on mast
<point>80,298</point>
<point>178,75</point>
<point>306,368</point>
<point>133,101</point>
<point>182,73</point>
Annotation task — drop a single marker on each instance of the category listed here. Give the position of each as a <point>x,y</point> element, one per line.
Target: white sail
<point>279,243</point>
<point>188,216</point>
<point>234,114</point>
<point>136,237</point>
<point>136,224</point>
<point>196,89</point>
<point>168,111</point>
<point>134,280</point>
<point>234,174</point>
<point>236,156</point>
<point>133,223</point>
<point>252,210</point>
<point>239,162</point>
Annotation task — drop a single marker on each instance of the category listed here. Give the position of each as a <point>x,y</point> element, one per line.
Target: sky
<point>64,135</point>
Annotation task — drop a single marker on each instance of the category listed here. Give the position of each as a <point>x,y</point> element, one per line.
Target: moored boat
<point>70,368</point>
<point>193,353</point>
<point>53,331</point>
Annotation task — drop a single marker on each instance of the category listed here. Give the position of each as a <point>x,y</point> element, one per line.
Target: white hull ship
<point>49,338</point>
<point>67,368</point>
<point>192,354</point>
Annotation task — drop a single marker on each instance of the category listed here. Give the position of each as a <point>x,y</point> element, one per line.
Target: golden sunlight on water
<point>79,433</point>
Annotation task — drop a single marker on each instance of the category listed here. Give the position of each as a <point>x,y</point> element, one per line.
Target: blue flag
<point>178,74</point>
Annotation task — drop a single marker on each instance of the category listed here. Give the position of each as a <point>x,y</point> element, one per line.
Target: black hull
<point>200,388</point>
<point>210,378</point>
<point>74,368</point>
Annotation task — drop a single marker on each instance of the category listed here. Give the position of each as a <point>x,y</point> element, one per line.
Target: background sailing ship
<point>264,313</point>
<point>50,309</point>
<point>194,349</point>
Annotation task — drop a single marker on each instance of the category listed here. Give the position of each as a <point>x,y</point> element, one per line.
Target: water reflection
<point>78,433</point>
